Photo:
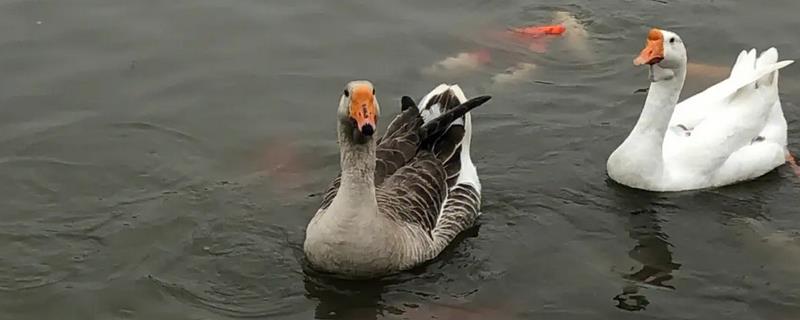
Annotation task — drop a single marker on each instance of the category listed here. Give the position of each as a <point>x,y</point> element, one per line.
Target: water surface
<point>160,160</point>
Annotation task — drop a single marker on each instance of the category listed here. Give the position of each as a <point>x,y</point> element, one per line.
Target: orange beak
<point>363,110</point>
<point>653,51</point>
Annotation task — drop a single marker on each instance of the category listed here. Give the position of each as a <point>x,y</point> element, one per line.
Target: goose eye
<point>373,91</point>
<point>672,40</point>
<point>346,94</point>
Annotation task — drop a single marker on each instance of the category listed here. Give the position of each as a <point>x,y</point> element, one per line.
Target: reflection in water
<point>652,250</point>
<point>631,300</point>
<point>344,299</point>
<point>364,300</point>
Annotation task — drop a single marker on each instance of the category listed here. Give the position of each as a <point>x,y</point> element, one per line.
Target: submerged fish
<point>539,36</point>
<point>458,65</point>
<point>576,39</point>
<point>520,73</point>
<point>541,31</point>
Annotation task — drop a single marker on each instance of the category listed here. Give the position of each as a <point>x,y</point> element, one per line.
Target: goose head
<point>663,49</point>
<point>358,110</point>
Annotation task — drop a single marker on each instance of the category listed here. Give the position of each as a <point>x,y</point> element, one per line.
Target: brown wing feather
<point>327,198</point>
<point>415,193</point>
<point>447,147</point>
<point>399,145</point>
<point>459,213</point>
<point>453,167</point>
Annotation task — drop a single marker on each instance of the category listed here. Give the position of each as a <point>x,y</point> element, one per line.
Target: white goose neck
<point>639,162</point>
<point>662,97</point>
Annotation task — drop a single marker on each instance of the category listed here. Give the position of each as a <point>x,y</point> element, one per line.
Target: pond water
<point>160,160</point>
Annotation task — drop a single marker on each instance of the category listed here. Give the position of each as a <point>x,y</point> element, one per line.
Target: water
<point>160,160</point>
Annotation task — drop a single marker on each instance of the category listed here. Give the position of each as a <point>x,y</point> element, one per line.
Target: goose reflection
<point>652,250</point>
<point>343,299</point>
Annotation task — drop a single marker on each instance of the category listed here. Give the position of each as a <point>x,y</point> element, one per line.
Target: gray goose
<point>402,198</point>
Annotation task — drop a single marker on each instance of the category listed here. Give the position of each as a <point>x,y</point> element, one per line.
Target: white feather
<point>468,173</point>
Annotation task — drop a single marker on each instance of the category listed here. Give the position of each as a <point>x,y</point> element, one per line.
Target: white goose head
<point>663,49</point>
<point>359,110</point>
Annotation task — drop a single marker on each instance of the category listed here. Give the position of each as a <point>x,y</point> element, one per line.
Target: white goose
<point>402,198</point>
<point>731,132</point>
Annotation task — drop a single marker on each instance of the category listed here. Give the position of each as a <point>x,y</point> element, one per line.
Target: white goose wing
<point>693,110</point>
<point>744,105</point>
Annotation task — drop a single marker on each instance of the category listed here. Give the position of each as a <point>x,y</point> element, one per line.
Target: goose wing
<point>416,192</point>
<point>748,102</point>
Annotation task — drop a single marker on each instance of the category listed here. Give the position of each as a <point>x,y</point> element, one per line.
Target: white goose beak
<point>653,51</point>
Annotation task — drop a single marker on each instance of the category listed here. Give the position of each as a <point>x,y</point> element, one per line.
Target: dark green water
<point>160,160</point>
